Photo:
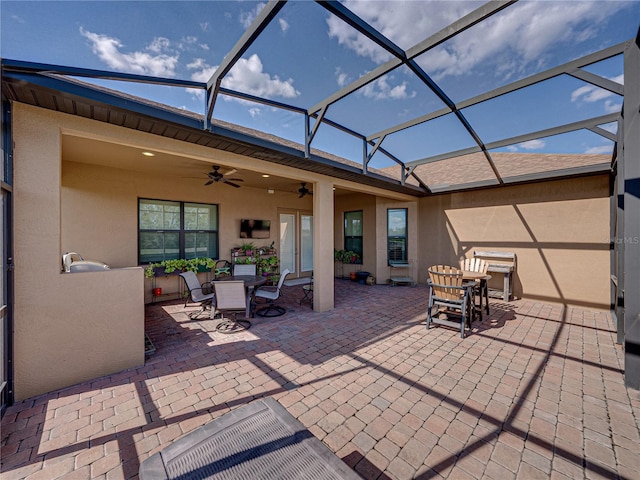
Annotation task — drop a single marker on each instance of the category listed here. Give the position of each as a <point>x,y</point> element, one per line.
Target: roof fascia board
<point>267,144</point>
<point>44,68</point>
<point>463,186</point>
<point>66,87</point>
<point>258,25</point>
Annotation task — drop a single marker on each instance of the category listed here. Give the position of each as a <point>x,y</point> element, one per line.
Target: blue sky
<point>306,54</point>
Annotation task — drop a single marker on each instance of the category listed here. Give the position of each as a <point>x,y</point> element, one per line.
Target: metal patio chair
<point>198,293</point>
<point>231,298</point>
<point>271,293</point>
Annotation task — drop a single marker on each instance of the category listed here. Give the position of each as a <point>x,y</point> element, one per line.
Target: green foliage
<point>248,247</point>
<point>179,265</point>
<point>346,256</point>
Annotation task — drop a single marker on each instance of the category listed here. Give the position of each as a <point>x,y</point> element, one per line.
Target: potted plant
<point>348,257</point>
<point>168,267</point>
<point>248,248</point>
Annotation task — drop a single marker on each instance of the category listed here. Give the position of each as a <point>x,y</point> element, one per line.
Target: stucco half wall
<point>559,231</point>
<point>69,327</point>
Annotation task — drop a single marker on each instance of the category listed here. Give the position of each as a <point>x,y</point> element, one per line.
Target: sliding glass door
<point>296,242</point>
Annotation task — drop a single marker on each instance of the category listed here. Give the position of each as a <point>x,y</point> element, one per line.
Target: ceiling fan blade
<point>231,172</point>
<point>301,195</point>
<point>209,182</point>
<point>235,179</point>
<point>231,183</point>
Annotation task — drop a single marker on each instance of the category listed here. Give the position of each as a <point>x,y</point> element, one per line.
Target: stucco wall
<point>350,203</point>
<point>559,231</point>
<point>107,200</point>
<point>67,327</point>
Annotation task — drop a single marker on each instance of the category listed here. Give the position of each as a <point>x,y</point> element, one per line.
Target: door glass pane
<point>287,242</point>
<point>306,243</point>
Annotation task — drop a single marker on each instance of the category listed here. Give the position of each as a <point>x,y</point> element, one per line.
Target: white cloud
<point>284,25</point>
<point>612,107</point>
<point>508,42</point>
<point>532,145</point>
<point>247,18</point>
<point>157,59</point>
<point>381,90</point>
<point>247,76</point>
<point>512,148</point>
<point>342,78</point>
<point>601,149</point>
<point>592,93</point>
<point>159,45</point>
<point>255,112</point>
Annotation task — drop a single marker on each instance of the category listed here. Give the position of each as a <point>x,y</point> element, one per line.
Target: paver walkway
<point>535,391</point>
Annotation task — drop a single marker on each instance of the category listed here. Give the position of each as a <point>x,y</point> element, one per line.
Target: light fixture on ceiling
<point>265,175</point>
<point>271,191</point>
<point>148,154</point>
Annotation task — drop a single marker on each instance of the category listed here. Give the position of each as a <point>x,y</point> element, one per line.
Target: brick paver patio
<point>535,391</point>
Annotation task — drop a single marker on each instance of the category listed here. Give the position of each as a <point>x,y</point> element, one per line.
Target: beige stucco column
<point>323,246</point>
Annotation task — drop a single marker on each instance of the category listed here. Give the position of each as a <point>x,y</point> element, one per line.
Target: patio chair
<point>480,288</point>
<point>307,292</point>
<point>222,268</point>
<point>450,297</point>
<point>198,293</point>
<point>231,298</point>
<point>271,293</point>
<point>244,269</point>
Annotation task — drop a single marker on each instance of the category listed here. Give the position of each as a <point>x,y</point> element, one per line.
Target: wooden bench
<point>500,262</point>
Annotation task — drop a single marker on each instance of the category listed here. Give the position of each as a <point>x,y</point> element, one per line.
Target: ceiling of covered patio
<point>447,106</point>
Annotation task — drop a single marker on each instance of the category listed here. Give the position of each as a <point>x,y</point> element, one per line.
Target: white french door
<point>296,242</point>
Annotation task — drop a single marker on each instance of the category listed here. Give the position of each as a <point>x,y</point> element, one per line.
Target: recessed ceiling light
<point>265,176</point>
<point>149,154</point>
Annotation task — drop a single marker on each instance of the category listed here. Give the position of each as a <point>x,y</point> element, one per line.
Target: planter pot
<point>159,272</point>
<point>157,292</point>
<point>362,277</point>
<point>352,276</point>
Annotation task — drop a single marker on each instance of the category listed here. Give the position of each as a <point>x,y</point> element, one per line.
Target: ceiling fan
<point>303,190</point>
<point>216,177</point>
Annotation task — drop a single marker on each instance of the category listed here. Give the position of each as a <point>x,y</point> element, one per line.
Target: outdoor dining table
<point>483,278</point>
<point>250,283</point>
